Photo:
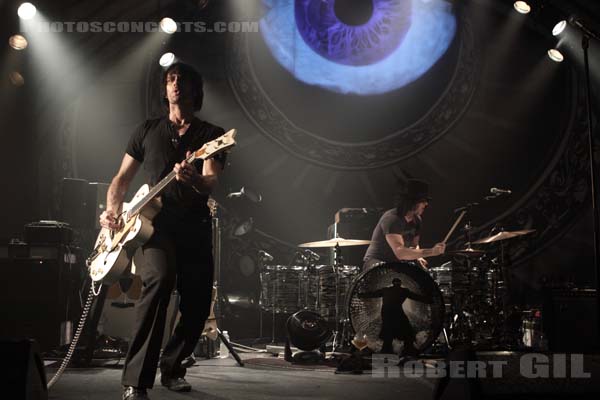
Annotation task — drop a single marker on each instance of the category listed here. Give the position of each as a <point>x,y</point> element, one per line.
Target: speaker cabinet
<point>39,299</point>
<point>570,320</point>
<point>22,374</point>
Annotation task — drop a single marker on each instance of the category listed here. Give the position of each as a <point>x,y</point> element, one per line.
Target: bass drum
<point>423,304</point>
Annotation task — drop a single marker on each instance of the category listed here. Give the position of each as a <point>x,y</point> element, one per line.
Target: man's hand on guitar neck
<point>111,220</point>
<point>202,183</point>
<point>187,173</point>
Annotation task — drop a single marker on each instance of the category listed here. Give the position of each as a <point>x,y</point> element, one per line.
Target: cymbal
<point>468,252</point>
<point>336,242</point>
<point>503,236</point>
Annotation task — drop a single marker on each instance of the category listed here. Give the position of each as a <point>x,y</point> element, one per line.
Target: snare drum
<point>282,288</point>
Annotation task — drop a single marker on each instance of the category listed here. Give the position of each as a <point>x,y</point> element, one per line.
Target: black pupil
<point>353,12</point>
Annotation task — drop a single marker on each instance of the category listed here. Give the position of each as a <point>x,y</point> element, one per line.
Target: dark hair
<point>188,73</point>
<point>405,204</point>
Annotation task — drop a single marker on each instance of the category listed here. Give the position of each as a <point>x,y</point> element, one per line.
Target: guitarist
<point>180,249</point>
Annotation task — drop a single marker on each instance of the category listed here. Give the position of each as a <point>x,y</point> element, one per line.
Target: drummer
<point>396,236</point>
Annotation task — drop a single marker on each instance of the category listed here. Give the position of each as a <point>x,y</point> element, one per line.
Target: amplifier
<point>39,298</point>
<point>570,320</point>
<point>48,232</point>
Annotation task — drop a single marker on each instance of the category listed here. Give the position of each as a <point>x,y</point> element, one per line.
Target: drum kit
<point>465,298</point>
<point>286,289</point>
<point>474,287</point>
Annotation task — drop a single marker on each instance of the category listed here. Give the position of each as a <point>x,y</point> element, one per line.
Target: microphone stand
<point>585,44</point>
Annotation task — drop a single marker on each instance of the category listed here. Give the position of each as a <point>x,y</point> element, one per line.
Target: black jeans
<point>185,258</point>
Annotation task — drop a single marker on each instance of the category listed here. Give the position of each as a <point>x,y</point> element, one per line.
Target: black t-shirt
<point>157,144</point>
<point>390,222</point>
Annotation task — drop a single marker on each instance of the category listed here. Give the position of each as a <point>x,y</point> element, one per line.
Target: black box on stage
<point>354,223</point>
<point>570,320</point>
<point>39,296</point>
<point>48,232</point>
<point>22,375</point>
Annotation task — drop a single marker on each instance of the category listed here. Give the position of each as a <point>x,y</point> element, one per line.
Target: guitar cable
<point>67,359</point>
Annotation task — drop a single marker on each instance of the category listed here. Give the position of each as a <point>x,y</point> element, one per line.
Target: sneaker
<point>176,384</point>
<point>133,393</point>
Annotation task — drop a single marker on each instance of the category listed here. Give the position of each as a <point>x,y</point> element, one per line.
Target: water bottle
<point>223,350</point>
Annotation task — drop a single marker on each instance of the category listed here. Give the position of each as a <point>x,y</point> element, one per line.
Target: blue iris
<point>325,33</point>
<point>400,41</point>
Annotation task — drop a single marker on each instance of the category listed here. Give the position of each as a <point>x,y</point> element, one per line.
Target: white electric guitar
<point>114,250</point>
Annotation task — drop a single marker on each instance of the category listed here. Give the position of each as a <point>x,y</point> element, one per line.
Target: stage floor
<point>266,377</point>
<point>224,379</point>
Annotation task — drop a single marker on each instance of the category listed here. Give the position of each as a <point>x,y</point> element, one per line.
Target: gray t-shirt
<point>390,222</point>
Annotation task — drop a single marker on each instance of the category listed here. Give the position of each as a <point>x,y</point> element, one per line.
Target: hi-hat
<point>503,236</point>
<point>336,242</point>
<point>468,252</point>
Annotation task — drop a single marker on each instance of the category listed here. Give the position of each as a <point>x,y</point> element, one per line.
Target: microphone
<point>312,255</point>
<point>265,256</point>
<point>235,194</point>
<point>499,192</point>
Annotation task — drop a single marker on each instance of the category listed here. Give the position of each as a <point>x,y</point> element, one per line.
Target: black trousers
<point>169,258</point>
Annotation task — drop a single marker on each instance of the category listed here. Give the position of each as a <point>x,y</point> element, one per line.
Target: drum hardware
<point>340,338</point>
<point>474,288</point>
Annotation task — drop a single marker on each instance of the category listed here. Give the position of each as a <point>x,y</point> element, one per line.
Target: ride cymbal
<point>503,236</point>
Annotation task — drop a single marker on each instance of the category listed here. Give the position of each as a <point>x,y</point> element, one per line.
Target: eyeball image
<point>362,47</point>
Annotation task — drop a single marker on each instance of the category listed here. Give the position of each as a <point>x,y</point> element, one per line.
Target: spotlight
<point>522,7</point>
<point>555,55</point>
<point>559,28</point>
<point>16,78</point>
<point>166,60</point>
<point>17,42</point>
<point>26,11</point>
<point>167,25</point>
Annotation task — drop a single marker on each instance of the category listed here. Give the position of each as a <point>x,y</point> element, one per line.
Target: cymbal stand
<point>337,267</point>
<point>461,325</point>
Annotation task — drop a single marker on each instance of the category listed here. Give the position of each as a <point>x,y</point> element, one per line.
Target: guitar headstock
<point>214,147</point>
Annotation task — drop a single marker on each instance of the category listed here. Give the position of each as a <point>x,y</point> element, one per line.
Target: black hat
<point>415,189</point>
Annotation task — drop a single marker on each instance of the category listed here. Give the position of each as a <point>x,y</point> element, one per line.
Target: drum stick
<point>460,217</point>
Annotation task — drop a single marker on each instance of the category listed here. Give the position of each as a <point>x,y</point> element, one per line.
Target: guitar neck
<point>154,192</point>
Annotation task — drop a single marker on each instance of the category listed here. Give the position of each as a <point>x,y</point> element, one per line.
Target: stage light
<point>522,7</point>
<point>555,55</point>
<point>17,42</point>
<point>26,11</point>
<point>167,25</point>
<point>559,28</point>
<point>16,78</point>
<point>166,60</point>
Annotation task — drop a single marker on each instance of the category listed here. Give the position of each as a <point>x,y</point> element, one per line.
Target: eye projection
<point>361,47</point>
